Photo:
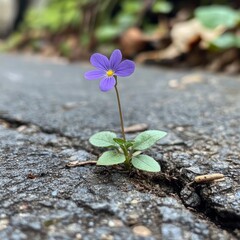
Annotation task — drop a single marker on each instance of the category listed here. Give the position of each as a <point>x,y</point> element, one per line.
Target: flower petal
<point>115,59</point>
<point>94,74</point>
<point>100,61</point>
<point>107,84</point>
<point>125,68</point>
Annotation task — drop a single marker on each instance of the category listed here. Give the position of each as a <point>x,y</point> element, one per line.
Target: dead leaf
<point>31,176</point>
<point>208,178</point>
<point>132,41</point>
<point>191,79</point>
<point>186,80</point>
<point>79,163</point>
<point>184,35</point>
<point>229,59</point>
<point>136,128</point>
<point>233,67</point>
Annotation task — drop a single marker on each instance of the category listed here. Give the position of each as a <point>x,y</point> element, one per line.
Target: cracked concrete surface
<point>48,112</point>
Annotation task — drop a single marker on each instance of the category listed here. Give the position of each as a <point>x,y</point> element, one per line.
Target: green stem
<point>127,163</point>
<point>120,110</point>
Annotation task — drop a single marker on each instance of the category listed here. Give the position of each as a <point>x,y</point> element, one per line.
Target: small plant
<point>128,152</point>
<point>220,16</point>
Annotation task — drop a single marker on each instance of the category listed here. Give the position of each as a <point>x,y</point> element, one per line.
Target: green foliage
<point>146,163</point>
<point>127,17</point>
<point>225,41</point>
<point>162,7</point>
<point>111,158</point>
<point>106,32</point>
<point>56,16</point>
<point>15,40</point>
<point>217,15</point>
<point>132,7</point>
<point>220,16</point>
<point>146,139</point>
<point>119,141</point>
<point>87,21</point>
<point>103,139</point>
<point>127,151</point>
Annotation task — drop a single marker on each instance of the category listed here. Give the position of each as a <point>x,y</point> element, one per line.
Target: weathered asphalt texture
<point>48,111</point>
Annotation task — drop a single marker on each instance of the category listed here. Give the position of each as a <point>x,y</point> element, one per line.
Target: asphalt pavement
<point>48,111</point>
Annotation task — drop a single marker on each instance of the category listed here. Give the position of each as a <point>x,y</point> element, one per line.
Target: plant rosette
<point>128,152</point>
<point>122,151</point>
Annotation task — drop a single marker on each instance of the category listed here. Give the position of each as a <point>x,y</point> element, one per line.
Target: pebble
<point>3,224</point>
<point>54,193</point>
<point>142,231</point>
<point>107,237</point>
<point>134,201</point>
<point>78,236</point>
<point>173,83</point>
<point>132,219</point>
<point>115,223</point>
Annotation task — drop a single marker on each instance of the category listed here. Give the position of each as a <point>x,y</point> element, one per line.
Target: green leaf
<point>111,158</point>
<point>227,40</point>
<point>146,139</point>
<point>128,144</point>
<point>132,7</point>
<point>136,153</point>
<point>125,20</point>
<point>119,141</point>
<point>106,33</point>
<point>103,139</point>
<point>146,163</point>
<point>162,7</point>
<point>216,15</point>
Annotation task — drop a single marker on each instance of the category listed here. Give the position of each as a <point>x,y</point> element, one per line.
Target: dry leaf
<point>132,41</point>
<point>186,80</point>
<point>136,128</point>
<point>79,163</point>
<point>208,178</point>
<point>190,79</point>
<point>31,176</point>
<point>184,36</point>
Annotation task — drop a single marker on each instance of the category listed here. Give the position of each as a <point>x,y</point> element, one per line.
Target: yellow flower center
<point>110,73</point>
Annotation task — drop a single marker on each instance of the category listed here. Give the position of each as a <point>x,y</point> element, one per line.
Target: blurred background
<point>176,33</point>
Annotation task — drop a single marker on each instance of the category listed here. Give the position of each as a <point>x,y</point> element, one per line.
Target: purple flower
<point>107,69</point>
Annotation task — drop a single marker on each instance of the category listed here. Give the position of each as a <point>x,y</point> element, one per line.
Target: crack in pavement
<point>176,184</point>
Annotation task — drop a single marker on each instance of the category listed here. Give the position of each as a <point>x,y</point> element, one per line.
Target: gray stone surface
<point>48,112</point>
